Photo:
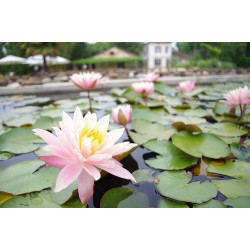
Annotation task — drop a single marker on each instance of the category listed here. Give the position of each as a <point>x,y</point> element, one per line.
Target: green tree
<point>43,48</point>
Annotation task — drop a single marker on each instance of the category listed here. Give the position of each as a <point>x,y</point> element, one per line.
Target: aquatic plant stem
<point>241,112</point>
<point>90,106</point>
<point>127,133</point>
<point>145,100</point>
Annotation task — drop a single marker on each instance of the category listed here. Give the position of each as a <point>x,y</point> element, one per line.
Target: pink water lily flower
<point>151,77</point>
<point>82,145</point>
<point>87,80</point>
<point>122,114</point>
<point>240,96</point>
<point>143,88</point>
<point>186,86</point>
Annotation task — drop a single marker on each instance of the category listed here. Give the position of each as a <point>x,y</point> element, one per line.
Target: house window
<point>111,53</point>
<point>166,49</point>
<point>157,62</point>
<point>157,49</point>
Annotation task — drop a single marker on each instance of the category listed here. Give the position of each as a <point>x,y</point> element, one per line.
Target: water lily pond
<point>193,151</point>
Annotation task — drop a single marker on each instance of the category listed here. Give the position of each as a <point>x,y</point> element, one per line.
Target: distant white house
<point>157,54</point>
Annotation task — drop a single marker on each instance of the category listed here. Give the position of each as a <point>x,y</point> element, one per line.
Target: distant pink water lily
<point>186,86</point>
<point>122,114</point>
<point>239,96</point>
<point>143,88</point>
<point>82,145</point>
<point>87,80</point>
<point>151,77</point>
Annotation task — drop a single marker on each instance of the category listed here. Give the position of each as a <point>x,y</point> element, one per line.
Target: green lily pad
<point>173,101</point>
<point>166,203</point>
<point>195,112</point>
<point>143,175</point>
<point>26,109</point>
<point>172,157</point>
<point>64,195</point>
<point>52,112</point>
<point>164,89</point>
<point>148,130</point>
<point>241,202</point>
<point>201,145</point>
<point>46,122</point>
<point>224,109</point>
<point>5,156</point>
<point>34,200</point>
<point>74,203</point>
<point>175,185</point>
<point>211,204</point>
<point>42,152</point>
<point>23,178</point>
<point>19,140</point>
<point>237,151</point>
<point>123,197</point>
<point>21,121</point>
<point>233,188</point>
<point>146,114</point>
<point>224,129</point>
<point>188,120</point>
<point>181,126</point>
<point>237,169</point>
<point>230,140</point>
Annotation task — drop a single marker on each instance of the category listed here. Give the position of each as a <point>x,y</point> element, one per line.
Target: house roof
<point>119,53</point>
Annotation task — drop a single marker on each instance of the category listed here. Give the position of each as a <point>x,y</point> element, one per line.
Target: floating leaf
<point>164,89</point>
<point>195,112</point>
<point>230,140</point>
<point>241,202</point>
<point>18,141</point>
<point>149,130</point>
<point>237,169</point>
<point>233,188</point>
<point>123,197</point>
<point>26,109</point>
<point>175,185</point>
<point>5,197</point>
<point>166,203</point>
<point>173,158</point>
<point>74,203</point>
<point>46,122</point>
<point>34,200</point>
<point>224,129</point>
<point>146,114</point>
<point>181,126</point>
<point>21,121</point>
<point>211,204</point>
<point>22,177</point>
<point>237,151</point>
<point>5,156</point>
<point>64,195</point>
<point>143,175</point>
<point>201,145</point>
<point>188,120</point>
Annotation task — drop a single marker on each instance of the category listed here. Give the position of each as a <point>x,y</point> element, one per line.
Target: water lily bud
<point>122,114</point>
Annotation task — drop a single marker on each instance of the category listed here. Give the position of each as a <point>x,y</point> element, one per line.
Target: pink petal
<point>93,171</point>
<point>113,136</point>
<point>103,124</point>
<point>118,170</point>
<point>85,186</point>
<point>67,175</point>
<point>55,161</point>
<point>98,157</point>
<point>86,147</point>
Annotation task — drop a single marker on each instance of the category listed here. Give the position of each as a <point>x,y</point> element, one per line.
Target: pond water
<point>168,109</point>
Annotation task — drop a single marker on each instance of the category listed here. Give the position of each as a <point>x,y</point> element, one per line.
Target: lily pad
<point>146,114</point>
<point>241,202</point>
<point>224,129</point>
<point>233,188</point>
<point>5,156</point>
<point>166,203</point>
<point>239,153</point>
<point>34,200</point>
<point>211,204</point>
<point>237,169</point>
<point>188,120</point>
<point>64,195</point>
<point>149,130</point>
<point>172,157</point>
<point>123,197</point>
<point>201,145</point>
<point>46,122</point>
<point>195,112</point>
<point>21,121</point>
<point>164,89</point>
<point>143,175</point>
<point>26,109</point>
<point>175,185</point>
<point>18,141</point>
<point>23,178</point>
<point>181,126</point>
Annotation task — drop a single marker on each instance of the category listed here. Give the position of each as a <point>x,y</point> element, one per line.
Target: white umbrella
<point>11,60</point>
<point>38,60</point>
